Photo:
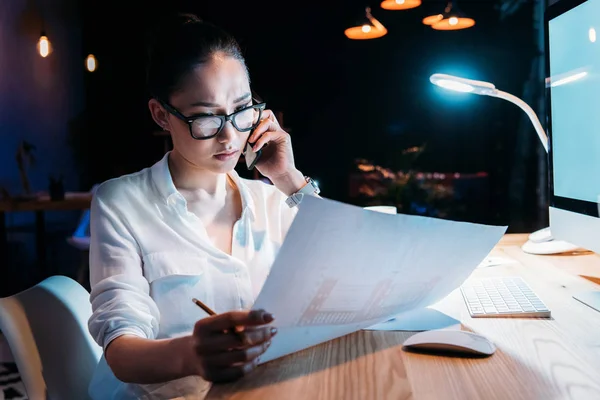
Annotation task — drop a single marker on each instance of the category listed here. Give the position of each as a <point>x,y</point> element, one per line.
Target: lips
<point>226,155</point>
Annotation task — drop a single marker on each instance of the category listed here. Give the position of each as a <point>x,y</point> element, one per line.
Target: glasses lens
<point>206,126</point>
<point>246,119</point>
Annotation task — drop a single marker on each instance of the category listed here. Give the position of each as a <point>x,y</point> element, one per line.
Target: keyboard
<point>502,297</point>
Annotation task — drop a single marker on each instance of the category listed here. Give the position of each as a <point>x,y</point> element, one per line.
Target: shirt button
<point>171,201</point>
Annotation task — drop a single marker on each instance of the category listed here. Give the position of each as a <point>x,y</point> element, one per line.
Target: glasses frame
<point>224,118</point>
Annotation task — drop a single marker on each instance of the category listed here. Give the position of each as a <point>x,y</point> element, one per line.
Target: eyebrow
<point>246,97</point>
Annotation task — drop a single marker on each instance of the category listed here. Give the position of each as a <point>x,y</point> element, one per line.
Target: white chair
<point>46,329</point>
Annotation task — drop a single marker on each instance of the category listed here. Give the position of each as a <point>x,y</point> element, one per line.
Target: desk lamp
<point>540,242</point>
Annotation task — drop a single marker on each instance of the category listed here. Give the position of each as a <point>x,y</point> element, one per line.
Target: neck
<point>194,181</point>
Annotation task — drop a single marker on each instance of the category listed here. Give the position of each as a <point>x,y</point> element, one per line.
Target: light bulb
<point>90,63</point>
<point>366,28</point>
<point>43,46</point>
<point>592,35</point>
<point>453,21</point>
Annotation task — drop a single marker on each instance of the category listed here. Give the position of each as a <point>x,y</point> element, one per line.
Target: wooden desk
<point>558,358</point>
<point>72,201</point>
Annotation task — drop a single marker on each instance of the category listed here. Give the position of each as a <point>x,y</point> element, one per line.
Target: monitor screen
<point>573,62</point>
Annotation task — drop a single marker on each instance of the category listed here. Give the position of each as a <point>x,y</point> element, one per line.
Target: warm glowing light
<point>453,23</point>
<point>569,79</point>
<point>400,4</point>
<point>451,19</point>
<point>43,46</point>
<point>592,35</point>
<point>432,19</point>
<point>90,63</point>
<point>372,29</point>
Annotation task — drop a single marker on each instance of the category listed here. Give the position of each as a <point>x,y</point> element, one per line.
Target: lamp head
<point>400,4</point>
<point>464,85</point>
<point>452,19</point>
<point>366,28</point>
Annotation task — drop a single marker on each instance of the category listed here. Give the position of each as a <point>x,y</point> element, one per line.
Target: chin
<point>224,167</point>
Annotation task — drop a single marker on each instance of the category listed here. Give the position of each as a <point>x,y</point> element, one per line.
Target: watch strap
<point>311,188</point>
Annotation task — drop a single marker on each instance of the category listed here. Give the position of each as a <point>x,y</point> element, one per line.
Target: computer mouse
<point>543,235</point>
<point>450,341</point>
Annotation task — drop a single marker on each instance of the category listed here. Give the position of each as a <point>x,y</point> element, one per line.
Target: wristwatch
<point>311,188</point>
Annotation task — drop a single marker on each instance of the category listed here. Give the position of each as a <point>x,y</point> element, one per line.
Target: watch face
<point>314,185</point>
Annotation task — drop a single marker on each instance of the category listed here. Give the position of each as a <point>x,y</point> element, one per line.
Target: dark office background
<point>341,99</point>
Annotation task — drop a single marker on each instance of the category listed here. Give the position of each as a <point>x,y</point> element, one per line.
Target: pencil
<point>211,312</point>
<point>204,307</point>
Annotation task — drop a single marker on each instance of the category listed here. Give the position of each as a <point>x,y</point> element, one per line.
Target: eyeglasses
<point>207,126</point>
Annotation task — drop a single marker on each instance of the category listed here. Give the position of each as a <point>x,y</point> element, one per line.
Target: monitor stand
<point>591,299</point>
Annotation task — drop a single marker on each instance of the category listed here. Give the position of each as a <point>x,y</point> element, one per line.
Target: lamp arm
<point>528,110</point>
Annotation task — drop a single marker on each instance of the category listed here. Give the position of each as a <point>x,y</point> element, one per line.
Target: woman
<point>189,227</point>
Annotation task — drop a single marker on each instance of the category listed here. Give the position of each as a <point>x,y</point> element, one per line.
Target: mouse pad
<point>425,319</point>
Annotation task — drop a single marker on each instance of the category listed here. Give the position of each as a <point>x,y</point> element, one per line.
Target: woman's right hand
<point>227,346</point>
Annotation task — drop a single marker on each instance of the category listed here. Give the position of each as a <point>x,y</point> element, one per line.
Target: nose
<point>227,133</point>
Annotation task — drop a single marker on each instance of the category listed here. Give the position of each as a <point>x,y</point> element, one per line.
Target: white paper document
<point>342,268</point>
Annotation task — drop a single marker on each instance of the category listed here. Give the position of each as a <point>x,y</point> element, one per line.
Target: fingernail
<point>273,331</point>
<point>268,317</point>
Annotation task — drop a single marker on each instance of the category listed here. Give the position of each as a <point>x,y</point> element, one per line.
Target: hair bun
<point>185,18</point>
<point>173,22</point>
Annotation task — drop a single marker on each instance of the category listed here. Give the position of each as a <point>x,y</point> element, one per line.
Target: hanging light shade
<point>369,28</point>
<point>452,19</point>
<point>44,47</point>
<point>400,4</point>
<point>433,19</point>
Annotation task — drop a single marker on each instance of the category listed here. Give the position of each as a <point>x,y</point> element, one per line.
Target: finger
<point>228,320</point>
<point>212,343</point>
<point>254,336</point>
<point>265,138</point>
<point>231,373</point>
<point>266,125</point>
<point>218,343</point>
<point>226,359</point>
<point>270,115</point>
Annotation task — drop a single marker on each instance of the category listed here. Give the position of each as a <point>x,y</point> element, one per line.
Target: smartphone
<point>251,156</point>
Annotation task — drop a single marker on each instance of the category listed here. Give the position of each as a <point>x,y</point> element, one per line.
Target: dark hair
<point>180,43</point>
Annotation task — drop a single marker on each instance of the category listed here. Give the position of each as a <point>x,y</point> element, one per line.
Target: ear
<point>159,114</point>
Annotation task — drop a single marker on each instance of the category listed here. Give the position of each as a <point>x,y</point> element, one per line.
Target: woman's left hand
<point>277,159</point>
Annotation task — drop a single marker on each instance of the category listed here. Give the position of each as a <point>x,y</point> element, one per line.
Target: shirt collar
<point>163,181</point>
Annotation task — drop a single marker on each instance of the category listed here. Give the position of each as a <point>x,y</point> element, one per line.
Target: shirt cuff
<point>124,331</point>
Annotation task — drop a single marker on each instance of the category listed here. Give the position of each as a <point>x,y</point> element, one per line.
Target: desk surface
<point>556,358</point>
<point>72,201</point>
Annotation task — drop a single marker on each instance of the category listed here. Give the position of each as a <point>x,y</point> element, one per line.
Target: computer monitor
<point>573,121</point>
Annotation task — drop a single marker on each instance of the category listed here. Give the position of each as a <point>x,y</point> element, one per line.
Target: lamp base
<point>542,243</point>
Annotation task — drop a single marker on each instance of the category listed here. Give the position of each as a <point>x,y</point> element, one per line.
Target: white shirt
<point>149,256</point>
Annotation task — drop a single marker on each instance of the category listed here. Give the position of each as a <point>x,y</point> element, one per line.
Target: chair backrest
<point>81,237</point>
<point>46,329</point>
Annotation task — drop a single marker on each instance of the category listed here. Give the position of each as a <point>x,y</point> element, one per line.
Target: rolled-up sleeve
<point>120,294</point>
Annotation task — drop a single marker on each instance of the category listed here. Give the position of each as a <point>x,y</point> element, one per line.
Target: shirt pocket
<point>175,279</point>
